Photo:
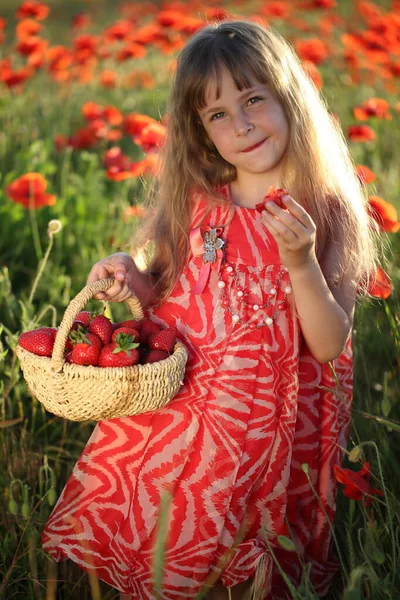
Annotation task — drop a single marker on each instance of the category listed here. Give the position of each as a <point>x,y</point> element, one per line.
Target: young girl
<point>264,303</point>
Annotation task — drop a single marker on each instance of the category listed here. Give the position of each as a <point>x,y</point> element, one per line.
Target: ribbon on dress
<point>204,241</point>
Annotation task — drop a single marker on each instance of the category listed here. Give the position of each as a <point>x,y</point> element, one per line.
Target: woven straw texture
<point>81,393</point>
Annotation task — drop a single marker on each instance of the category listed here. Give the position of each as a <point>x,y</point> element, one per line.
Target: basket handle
<point>75,306</point>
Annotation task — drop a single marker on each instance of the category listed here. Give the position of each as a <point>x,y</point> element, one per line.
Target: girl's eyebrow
<point>244,95</point>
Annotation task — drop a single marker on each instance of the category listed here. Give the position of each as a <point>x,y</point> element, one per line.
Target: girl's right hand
<point>120,266</point>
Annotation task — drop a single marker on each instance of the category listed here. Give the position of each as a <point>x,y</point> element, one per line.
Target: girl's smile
<point>255,146</point>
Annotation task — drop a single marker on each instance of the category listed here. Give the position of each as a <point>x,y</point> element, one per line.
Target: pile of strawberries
<point>95,340</point>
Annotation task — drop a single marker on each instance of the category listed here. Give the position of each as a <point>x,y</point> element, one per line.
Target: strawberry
<point>84,317</point>
<point>86,350</point>
<point>148,328</point>
<point>164,340</point>
<point>274,196</point>
<point>132,324</point>
<point>76,326</point>
<point>102,327</point>
<point>155,356</point>
<point>38,341</point>
<point>122,354</point>
<point>125,330</point>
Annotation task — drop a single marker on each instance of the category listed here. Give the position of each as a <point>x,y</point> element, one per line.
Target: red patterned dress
<point>254,406</point>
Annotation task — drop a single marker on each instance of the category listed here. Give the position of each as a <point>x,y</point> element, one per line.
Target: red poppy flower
<point>119,167</point>
<point>134,123</point>
<point>112,115</point>
<point>147,34</point>
<point>312,50</point>
<point>83,139</point>
<point>13,79</point>
<point>373,107</point>
<point>361,133</point>
<point>27,28</point>
<point>189,25</point>
<point>364,174</point>
<point>118,31</point>
<point>29,189</point>
<point>31,45</point>
<point>168,18</point>
<point>108,78</point>
<point>81,21</point>
<point>141,79</point>
<point>132,50</point>
<point>318,4</point>
<point>133,211</point>
<point>36,10</point>
<point>277,10</point>
<point>216,13</point>
<point>114,157</point>
<point>313,73</point>
<point>356,484</point>
<point>3,23</point>
<point>95,112</point>
<point>384,213</point>
<point>151,137</point>
<point>381,286</point>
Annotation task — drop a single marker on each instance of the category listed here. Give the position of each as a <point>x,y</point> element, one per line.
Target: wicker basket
<point>79,393</point>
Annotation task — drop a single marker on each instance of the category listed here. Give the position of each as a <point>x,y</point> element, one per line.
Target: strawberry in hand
<point>273,196</point>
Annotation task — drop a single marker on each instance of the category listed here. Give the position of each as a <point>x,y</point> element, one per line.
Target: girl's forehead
<point>216,81</point>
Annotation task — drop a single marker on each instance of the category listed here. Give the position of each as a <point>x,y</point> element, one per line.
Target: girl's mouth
<point>255,146</point>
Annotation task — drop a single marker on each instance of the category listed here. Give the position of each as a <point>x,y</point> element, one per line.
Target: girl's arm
<point>326,317</point>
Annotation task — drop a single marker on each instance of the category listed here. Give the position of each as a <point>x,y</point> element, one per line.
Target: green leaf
<point>286,543</point>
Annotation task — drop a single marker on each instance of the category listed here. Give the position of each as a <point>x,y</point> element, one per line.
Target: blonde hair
<point>318,171</point>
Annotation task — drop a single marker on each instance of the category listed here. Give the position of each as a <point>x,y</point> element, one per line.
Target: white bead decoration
<point>252,319</point>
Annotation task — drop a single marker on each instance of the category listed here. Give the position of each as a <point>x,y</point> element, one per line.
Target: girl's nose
<point>242,125</point>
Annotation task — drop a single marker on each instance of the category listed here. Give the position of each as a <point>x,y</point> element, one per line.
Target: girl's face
<point>238,121</point>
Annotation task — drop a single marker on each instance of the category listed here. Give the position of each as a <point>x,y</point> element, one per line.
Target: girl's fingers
<point>296,215</point>
<point>281,229</point>
<point>118,292</point>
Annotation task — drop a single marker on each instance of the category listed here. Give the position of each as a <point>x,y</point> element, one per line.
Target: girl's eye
<point>255,98</point>
<point>215,117</point>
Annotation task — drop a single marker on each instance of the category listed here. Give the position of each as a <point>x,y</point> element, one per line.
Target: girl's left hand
<point>293,231</point>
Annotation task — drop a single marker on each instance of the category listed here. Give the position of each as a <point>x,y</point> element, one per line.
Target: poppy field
<point>83,112</point>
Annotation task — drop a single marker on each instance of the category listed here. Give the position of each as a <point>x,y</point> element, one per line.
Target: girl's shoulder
<point>203,206</point>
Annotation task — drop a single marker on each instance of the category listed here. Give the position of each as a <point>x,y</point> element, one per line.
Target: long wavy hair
<point>317,171</point>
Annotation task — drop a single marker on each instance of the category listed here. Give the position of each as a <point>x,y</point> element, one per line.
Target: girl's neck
<point>249,196</point>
